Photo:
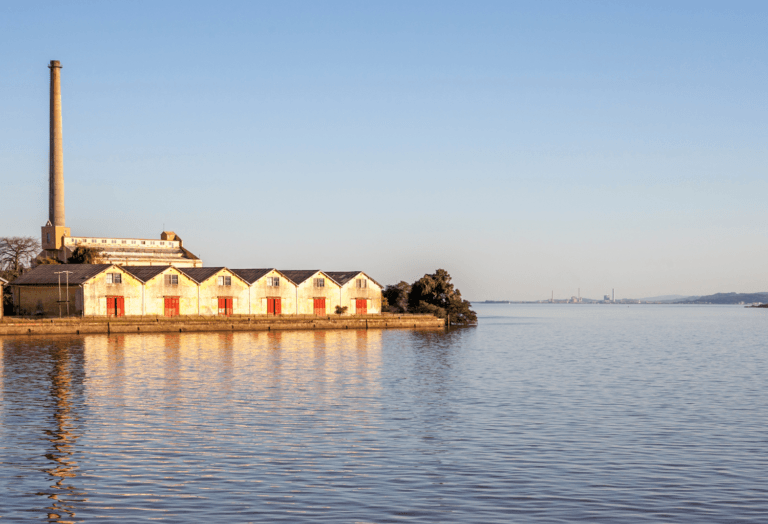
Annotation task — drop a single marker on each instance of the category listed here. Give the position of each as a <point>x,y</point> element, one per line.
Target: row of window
<point>115,241</point>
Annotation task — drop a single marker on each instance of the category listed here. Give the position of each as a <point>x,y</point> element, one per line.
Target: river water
<point>541,413</point>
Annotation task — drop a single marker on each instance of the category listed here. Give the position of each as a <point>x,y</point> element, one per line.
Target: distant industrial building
<point>57,240</point>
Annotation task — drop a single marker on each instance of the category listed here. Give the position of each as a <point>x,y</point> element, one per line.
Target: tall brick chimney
<point>55,158</point>
<point>55,230</point>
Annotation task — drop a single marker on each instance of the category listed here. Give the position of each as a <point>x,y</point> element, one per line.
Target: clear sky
<point>523,146</point>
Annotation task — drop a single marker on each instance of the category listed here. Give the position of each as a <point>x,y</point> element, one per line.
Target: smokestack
<point>55,155</point>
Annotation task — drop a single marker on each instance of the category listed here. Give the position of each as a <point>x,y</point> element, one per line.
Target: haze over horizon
<point>523,147</point>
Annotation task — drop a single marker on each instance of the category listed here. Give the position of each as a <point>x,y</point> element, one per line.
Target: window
<point>319,282</point>
<point>162,243</point>
<point>273,281</point>
<point>48,238</point>
<point>361,283</point>
<point>225,281</point>
<point>114,241</point>
<point>133,241</point>
<point>152,242</point>
<point>124,241</point>
<point>171,280</point>
<point>114,278</point>
<point>143,242</point>
<point>104,241</point>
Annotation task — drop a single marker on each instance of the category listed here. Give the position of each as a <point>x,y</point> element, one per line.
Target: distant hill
<point>727,298</point>
<point>667,298</point>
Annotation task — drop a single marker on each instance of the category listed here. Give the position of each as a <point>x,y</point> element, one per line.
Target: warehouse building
<point>316,292</point>
<point>111,290</point>
<point>359,293</point>
<point>271,292</point>
<point>219,291</point>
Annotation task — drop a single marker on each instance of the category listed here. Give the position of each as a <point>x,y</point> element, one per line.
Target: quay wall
<point>152,324</point>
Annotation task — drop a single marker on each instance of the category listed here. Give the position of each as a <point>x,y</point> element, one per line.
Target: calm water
<point>542,413</point>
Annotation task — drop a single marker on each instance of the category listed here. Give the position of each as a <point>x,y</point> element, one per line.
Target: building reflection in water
<point>155,398</point>
<point>43,381</point>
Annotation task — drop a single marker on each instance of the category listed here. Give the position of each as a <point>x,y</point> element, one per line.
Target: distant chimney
<point>55,155</point>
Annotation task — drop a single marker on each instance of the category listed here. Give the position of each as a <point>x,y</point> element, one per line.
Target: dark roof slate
<point>145,273</point>
<point>342,277</point>
<point>45,275</point>
<point>297,276</point>
<point>200,274</point>
<point>251,275</point>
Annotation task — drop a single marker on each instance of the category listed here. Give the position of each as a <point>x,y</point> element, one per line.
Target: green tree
<point>396,297</point>
<point>436,294</point>
<point>85,255</point>
<point>341,310</point>
<point>47,261</point>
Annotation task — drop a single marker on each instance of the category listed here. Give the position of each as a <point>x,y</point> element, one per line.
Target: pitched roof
<point>4,281</point>
<point>45,274</point>
<point>145,273</point>
<point>200,274</point>
<point>250,275</point>
<point>342,277</point>
<point>297,276</point>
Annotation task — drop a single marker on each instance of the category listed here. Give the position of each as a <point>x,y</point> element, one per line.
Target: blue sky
<point>523,146</point>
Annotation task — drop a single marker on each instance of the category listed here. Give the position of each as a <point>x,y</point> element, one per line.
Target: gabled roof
<point>200,274</point>
<point>342,277</point>
<point>145,273</point>
<point>251,275</point>
<point>45,274</point>
<point>297,276</point>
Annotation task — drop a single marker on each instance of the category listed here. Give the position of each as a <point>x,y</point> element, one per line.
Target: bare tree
<point>17,252</point>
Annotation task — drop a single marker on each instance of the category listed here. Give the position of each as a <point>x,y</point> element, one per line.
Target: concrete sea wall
<point>145,324</point>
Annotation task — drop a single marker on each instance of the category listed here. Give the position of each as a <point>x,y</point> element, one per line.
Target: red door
<point>319,306</point>
<point>171,306</point>
<point>115,307</point>
<point>274,306</point>
<point>361,306</point>
<point>225,306</point>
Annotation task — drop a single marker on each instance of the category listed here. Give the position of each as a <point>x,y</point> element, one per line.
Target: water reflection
<point>43,383</point>
<point>66,377</point>
<point>278,411</point>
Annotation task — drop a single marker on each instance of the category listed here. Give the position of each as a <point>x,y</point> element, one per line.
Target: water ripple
<point>540,414</point>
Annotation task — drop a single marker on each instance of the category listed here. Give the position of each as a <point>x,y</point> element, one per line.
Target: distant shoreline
<point>624,303</point>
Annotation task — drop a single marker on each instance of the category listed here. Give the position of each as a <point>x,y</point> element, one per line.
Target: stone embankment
<point>82,326</point>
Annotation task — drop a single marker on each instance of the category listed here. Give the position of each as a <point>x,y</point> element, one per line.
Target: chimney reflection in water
<point>64,376</point>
